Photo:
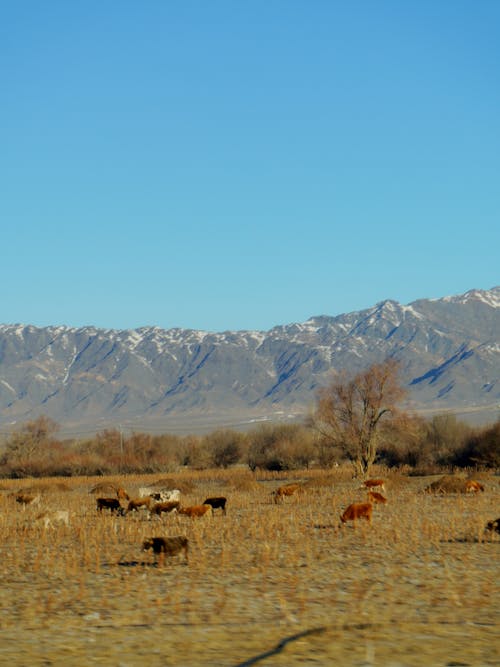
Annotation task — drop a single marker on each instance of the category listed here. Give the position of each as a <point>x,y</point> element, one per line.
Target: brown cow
<point>166,546</point>
<point>375,497</point>
<point>357,511</point>
<point>217,502</point>
<point>195,510</point>
<point>374,484</point>
<point>121,494</point>
<point>137,503</point>
<point>471,486</point>
<point>112,504</point>
<point>282,491</point>
<point>169,506</point>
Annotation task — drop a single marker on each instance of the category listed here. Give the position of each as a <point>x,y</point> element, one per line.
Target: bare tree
<point>349,412</point>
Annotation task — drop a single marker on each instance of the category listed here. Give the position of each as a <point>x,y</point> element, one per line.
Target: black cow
<point>112,504</point>
<point>218,502</point>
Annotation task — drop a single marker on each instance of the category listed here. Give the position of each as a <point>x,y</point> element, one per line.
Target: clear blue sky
<point>241,164</point>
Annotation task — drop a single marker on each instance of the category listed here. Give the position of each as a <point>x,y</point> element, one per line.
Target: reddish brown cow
<point>357,511</point>
<point>121,494</point>
<point>195,510</point>
<point>471,486</point>
<point>287,490</point>
<point>137,503</point>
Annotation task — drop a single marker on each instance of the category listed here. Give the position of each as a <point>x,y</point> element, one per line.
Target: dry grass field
<point>267,584</point>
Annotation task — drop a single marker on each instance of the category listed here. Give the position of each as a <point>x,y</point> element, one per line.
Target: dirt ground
<point>267,584</point>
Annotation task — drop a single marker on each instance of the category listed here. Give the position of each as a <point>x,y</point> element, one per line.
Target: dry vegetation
<point>274,584</point>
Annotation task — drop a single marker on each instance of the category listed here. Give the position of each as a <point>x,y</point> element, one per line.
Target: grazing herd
<point>373,487</point>
<point>157,503</point>
<point>166,501</point>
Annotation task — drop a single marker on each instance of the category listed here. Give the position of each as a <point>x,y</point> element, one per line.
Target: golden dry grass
<point>266,584</point>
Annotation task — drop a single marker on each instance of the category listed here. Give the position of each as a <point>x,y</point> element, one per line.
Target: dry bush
<point>396,479</point>
<point>422,447</point>
<point>448,484</point>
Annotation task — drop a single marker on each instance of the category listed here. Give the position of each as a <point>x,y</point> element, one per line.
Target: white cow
<point>50,518</point>
<point>160,495</point>
<point>145,491</point>
<point>166,495</point>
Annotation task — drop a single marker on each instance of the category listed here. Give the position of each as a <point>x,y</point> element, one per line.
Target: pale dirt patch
<point>418,587</point>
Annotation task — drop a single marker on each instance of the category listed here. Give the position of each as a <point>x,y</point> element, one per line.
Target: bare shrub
<point>147,453</point>
<point>443,442</point>
<point>280,447</point>
<point>225,447</point>
<point>195,453</point>
<point>405,444</point>
<point>446,435</point>
<point>480,448</point>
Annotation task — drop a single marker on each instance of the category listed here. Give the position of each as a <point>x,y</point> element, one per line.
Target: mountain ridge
<point>449,350</point>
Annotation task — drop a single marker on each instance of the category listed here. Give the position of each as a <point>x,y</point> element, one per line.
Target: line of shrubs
<point>429,446</point>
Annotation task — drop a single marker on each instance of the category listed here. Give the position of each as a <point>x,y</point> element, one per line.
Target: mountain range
<point>171,380</point>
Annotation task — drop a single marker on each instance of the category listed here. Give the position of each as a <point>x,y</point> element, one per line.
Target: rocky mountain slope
<point>449,348</point>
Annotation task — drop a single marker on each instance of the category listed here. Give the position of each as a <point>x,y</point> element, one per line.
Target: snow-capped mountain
<point>449,349</point>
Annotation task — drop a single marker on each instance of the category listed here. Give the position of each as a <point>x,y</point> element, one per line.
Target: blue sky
<point>237,165</point>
